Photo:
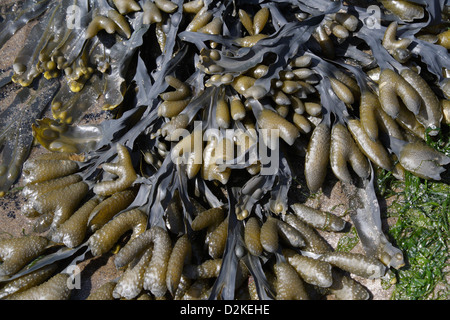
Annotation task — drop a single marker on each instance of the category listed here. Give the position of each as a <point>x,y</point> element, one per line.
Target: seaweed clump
<point>217,107</point>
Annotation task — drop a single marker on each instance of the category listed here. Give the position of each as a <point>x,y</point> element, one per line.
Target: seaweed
<point>177,78</point>
<point>16,19</point>
<point>16,136</point>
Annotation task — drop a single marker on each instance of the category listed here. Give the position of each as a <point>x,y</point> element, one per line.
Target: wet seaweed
<point>178,77</point>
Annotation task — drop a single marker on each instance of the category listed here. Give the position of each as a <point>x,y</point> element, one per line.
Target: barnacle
<point>216,110</point>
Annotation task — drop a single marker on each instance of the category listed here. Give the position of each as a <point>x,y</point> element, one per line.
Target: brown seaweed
<point>173,73</point>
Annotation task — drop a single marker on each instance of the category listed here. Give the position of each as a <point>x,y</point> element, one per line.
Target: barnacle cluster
<point>217,106</point>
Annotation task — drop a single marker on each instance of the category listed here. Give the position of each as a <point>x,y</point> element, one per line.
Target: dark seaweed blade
<point>121,55</point>
<point>350,51</point>
<point>14,21</point>
<point>72,106</point>
<point>163,186</point>
<point>15,129</point>
<point>5,78</point>
<point>125,130</point>
<point>51,258</point>
<point>279,193</point>
<point>225,284</point>
<point>263,287</point>
<point>315,7</point>
<point>366,216</point>
<point>28,58</point>
<point>373,37</point>
<point>436,57</point>
<point>331,104</point>
<point>254,190</point>
<point>210,196</point>
<point>143,84</point>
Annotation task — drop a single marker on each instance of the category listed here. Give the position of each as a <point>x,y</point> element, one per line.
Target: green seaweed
<point>421,209</point>
<point>348,241</point>
<point>131,65</point>
<point>422,230</point>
